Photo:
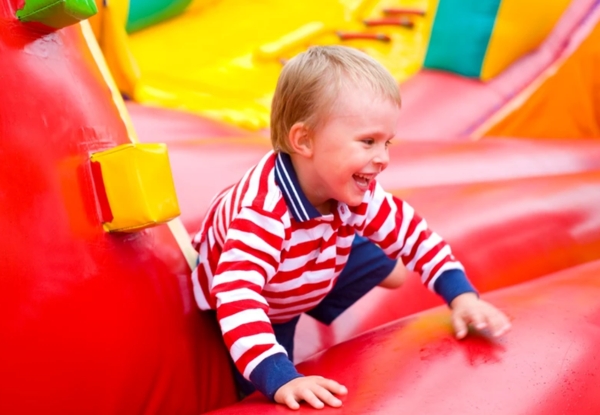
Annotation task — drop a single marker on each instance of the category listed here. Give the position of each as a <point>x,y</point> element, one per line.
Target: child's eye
<point>388,143</point>
<point>368,141</point>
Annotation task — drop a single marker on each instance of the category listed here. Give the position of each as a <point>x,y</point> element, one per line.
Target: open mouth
<point>362,181</point>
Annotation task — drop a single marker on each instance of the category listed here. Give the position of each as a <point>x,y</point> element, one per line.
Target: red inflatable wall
<point>90,322</point>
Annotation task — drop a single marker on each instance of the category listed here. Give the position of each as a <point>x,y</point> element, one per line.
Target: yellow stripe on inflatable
<point>96,52</point>
<point>175,226</point>
<point>520,27</point>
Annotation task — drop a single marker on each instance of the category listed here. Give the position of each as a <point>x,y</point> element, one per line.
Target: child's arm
<point>250,257</point>
<point>401,233</point>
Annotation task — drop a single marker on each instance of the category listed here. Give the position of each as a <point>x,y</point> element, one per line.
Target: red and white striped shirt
<point>267,255</point>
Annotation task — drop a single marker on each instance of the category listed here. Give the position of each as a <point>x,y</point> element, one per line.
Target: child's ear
<point>300,139</point>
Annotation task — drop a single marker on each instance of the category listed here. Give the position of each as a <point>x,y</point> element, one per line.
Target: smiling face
<point>349,149</point>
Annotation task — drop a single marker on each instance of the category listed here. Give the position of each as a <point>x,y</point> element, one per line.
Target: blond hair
<point>310,82</point>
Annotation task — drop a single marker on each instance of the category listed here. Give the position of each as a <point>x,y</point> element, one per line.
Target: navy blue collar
<point>295,199</point>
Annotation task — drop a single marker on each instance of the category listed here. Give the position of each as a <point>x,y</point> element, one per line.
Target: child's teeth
<point>361,179</point>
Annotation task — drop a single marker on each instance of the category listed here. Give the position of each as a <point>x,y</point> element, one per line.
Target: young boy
<point>282,242</point>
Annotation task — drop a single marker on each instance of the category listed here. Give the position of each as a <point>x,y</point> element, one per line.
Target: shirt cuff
<point>452,283</point>
<point>272,373</point>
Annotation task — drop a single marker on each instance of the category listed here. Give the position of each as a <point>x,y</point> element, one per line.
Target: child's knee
<point>396,277</point>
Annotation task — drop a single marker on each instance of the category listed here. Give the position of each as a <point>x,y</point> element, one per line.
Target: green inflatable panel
<point>144,13</point>
<point>57,13</point>
<point>460,35</point>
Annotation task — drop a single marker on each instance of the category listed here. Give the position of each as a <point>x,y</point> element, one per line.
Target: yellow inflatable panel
<point>520,27</point>
<point>221,58</point>
<point>134,186</point>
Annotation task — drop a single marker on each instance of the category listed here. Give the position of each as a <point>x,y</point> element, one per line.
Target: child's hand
<point>469,309</point>
<point>315,390</point>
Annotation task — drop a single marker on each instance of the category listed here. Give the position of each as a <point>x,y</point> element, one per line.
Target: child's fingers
<point>499,332</point>
<point>333,386</point>
<point>326,396</point>
<point>479,320</point>
<point>314,390</point>
<point>460,326</point>
<point>291,402</point>
<point>499,323</point>
<point>480,315</point>
<point>308,395</point>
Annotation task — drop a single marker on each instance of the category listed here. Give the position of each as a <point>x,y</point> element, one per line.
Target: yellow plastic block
<point>520,27</point>
<point>134,187</point>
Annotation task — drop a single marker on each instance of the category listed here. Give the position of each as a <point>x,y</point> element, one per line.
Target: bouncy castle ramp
<point>545,365</point>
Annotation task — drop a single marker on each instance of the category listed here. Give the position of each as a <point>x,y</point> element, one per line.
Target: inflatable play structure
<point>498,149</point>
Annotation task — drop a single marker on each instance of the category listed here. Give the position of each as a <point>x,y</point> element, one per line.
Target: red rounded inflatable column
<point>90,322</point>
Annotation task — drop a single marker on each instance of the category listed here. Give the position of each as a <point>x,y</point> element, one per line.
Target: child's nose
<point>382,158</point>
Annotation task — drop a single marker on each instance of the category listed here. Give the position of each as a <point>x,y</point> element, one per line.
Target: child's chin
<point>354,201</point>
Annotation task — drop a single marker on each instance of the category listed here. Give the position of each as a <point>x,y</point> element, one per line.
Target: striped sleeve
<point>395,226</point>
<point>250,257</point>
